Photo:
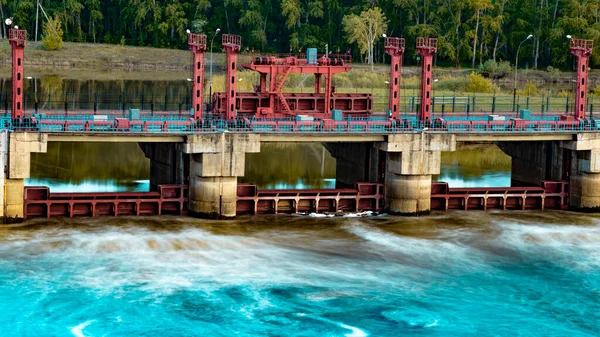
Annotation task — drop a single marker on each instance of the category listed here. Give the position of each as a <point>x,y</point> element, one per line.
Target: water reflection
<point>61,186</point>
<point>110,167</point>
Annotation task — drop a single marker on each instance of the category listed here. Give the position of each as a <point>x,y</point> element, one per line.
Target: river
<point>448,274</point>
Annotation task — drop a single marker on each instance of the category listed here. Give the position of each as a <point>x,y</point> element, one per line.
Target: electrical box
<point>134,114</point>
<point>337,115</point>
<point>525,114</point>
<point>311,55</point>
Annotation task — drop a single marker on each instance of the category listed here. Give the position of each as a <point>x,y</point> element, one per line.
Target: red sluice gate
<point>365,197</point>
<point>169,199</point>
<point>552,195</point>
<point>173,200</point>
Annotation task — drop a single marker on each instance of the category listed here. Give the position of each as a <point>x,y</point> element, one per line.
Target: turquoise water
<point>451,274</point>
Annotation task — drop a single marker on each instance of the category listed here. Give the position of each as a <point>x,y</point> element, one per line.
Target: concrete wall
<point>533,162</point>
<point>167,163</point>
<point>354,162</point>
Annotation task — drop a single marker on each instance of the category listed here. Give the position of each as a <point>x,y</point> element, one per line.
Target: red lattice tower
<point>17,39</point>
<point>427,47</point>
<point>197,44</point>
<point>232,45</point>
<point>394,46</point>
<point>582,49</point>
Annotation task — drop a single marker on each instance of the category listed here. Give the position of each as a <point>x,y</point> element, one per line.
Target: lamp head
<point>8,21</point>
<point>188,31</point>
<point>218,30</point>
<point>383,36</point>
<point>529,36</point>
<point>568,36</point>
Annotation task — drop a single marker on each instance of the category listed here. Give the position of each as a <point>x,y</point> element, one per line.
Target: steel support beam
<point>395,48</point>
<point>582,49</point>
<point>17,39</point>
<point>197,44</point>
<point>426,47</point>
<point>232,45</point>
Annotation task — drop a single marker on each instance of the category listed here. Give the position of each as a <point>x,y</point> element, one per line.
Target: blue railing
<point>175,124</point>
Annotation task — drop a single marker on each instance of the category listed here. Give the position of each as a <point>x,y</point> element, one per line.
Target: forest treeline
<point>469,31</point>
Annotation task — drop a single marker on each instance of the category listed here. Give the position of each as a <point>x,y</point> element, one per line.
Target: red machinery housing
<point>268,100</point>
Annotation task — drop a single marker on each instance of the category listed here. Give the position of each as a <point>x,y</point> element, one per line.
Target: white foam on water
<point>568,245</point>
<point>113,259</point>
<point>78,330</point>
<point>421,250</point>
<point>356,332</point>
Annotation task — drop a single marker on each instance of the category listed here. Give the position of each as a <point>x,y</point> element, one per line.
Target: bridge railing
<point>111,124</point>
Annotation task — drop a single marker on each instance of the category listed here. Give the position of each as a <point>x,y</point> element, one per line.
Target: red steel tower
<point>232,45</point>
<point>17,39</point>
<point>394,46</point>
<point>582,49</point>
<point>427,47</point>
<point>197,44</point>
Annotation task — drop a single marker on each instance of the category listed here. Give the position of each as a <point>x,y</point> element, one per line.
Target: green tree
<point>53,34</point>
<point>364,29</point>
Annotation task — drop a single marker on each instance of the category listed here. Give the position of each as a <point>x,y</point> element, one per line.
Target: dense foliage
<point>470,31</point>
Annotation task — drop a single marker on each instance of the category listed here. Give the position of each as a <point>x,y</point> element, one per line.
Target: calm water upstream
<point>448,274</point>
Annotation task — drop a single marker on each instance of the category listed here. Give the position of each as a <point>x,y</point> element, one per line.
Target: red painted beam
<point>395,48</point>
<point>197,44</point>
<point>17,39</point>
<point>582,49</point>
<point>426,47</point>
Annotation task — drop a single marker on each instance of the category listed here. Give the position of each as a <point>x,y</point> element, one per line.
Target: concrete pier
<point>17,164</point>
<point>216,160</point>
<point>411,161</point>
<point>584,171</point>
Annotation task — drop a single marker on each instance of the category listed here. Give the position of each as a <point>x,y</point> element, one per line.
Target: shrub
<point>477,83</point>
<point>453,84</point>
<point>495,70</point>
<point>53,34</point>
<point>596,91</point>
<point>529,90</point>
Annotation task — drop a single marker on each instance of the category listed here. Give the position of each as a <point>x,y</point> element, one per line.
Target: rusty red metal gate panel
<point>552,195</point>
<point>365,197</point>
<point>169,199</point>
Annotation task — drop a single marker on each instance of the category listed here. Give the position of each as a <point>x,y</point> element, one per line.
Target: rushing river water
<point>452,274</point>
<point>448,274</point>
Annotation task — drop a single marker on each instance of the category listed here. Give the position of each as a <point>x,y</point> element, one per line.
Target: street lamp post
<point>516,67</point>
<point>211,65</point>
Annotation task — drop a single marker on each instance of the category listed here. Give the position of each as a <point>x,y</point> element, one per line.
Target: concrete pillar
<point>533,162</point>
<point>167,164</point>
<point>20,147</point>
<point>3,170</point>
<point>584,172</point>
<point>216,161</point>
<point>411,161</point>
<point>355,162</point>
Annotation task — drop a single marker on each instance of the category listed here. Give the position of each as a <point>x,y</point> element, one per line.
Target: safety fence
<point>180,102</point>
